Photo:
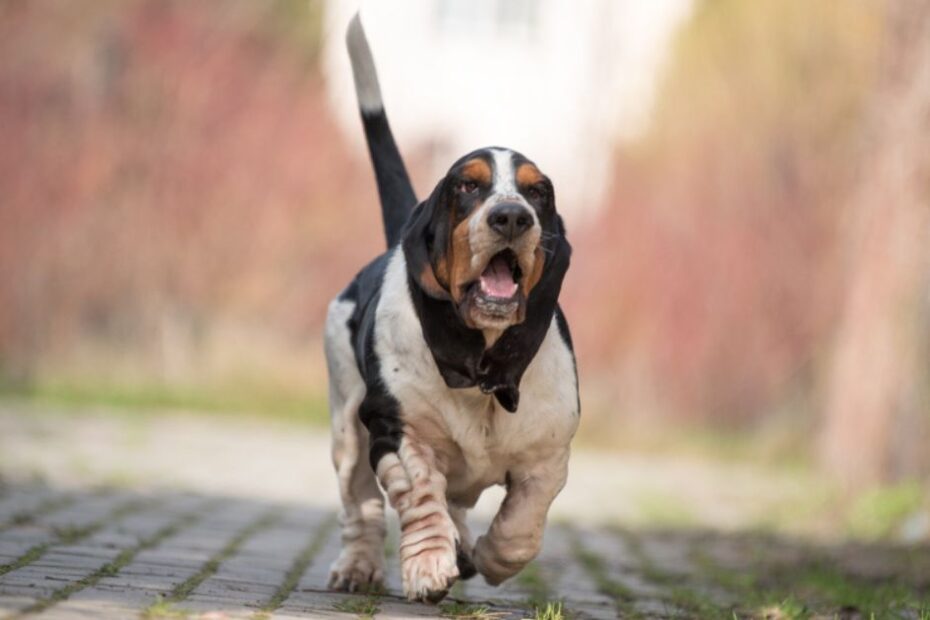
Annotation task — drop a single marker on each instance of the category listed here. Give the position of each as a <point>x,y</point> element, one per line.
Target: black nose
<point>510,219</point>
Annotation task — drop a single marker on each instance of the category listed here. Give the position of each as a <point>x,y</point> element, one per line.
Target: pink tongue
<point>497,279</point>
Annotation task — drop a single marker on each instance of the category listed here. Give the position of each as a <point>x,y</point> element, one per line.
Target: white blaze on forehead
<point>504,174</point>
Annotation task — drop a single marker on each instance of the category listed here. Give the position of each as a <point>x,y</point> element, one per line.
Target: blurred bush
<point>764,258</point>
<point>176,203</point>
<point>708,289</point>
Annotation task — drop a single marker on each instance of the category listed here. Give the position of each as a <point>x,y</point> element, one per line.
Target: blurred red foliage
<point>708,286</point>
<point>165,165</point>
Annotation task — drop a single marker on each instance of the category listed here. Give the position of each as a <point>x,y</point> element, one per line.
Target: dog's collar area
<point>507,395</point>
<point>482,371</point>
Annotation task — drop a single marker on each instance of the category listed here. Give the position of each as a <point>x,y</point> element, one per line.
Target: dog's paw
<point>428,575</point>
<point>357,571</point>
<point>497,562</point>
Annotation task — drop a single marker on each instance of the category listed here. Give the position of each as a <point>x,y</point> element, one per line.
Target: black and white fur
<point>440,384</point>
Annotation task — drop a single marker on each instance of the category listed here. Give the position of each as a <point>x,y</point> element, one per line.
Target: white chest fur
<point>476,441</point>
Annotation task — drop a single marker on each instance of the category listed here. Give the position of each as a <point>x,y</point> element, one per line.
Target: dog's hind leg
<point>360,565</point>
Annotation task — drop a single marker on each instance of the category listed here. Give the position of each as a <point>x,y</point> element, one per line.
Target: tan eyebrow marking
<point>528,174</point>
<point>477,170</point>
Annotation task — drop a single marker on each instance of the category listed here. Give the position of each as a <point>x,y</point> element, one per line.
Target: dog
<point>451,366</point>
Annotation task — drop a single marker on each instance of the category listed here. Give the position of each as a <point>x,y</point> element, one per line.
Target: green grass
<point>551,611</point>
<point>788,609</point>
<point>663,510</point>
<point>163,610</point>
<point>782,444</point>
<point>738,582</point>
<point>467,611</point>
<point>698,604</point>
<point>824,589</point>
<point>362,606</point>
<point>815,587</point>
<point>824,582</point>
<point>286,403</point>
<point>876,513</point>
<point>534,582</point>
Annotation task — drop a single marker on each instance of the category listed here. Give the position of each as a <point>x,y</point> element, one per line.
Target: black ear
<point>420,247</point>
<point>456,349</point>
<point>503,364</point>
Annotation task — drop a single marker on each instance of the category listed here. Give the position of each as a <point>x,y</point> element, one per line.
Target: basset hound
<point>451,367</point>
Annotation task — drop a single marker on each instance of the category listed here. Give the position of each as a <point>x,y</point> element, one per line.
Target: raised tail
<point>394,187</point>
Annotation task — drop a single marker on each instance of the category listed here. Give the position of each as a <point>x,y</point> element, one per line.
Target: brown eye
<point>534,193</point>
<point>468,187</point>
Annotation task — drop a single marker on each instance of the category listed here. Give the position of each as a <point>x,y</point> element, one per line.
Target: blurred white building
<point>560,80</point>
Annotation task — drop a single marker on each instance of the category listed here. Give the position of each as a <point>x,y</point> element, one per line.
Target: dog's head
<point>486,254</point>
<point>484,238</point>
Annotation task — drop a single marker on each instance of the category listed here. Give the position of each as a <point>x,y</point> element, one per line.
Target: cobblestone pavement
<point>71,549</point>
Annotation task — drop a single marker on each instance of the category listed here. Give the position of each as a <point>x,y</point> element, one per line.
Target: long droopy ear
<point>424,246</point>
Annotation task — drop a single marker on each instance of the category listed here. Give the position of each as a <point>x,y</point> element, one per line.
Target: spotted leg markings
<point>427,551</point>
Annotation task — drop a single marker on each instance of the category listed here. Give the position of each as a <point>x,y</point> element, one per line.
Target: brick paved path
<point>116,554</point>
<point>253,534</point>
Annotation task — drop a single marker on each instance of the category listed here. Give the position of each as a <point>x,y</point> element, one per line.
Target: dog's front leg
<point>515,535</point>
<point>416,488</point>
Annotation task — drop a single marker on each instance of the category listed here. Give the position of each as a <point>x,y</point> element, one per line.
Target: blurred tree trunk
<point>878,392</point>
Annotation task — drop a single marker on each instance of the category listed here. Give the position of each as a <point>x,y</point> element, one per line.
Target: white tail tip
<point>363,68</point>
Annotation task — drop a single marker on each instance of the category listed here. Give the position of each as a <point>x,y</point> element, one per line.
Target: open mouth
<point>499,282</point>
